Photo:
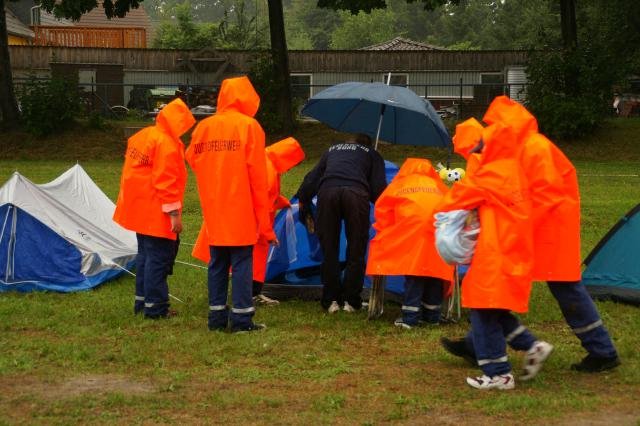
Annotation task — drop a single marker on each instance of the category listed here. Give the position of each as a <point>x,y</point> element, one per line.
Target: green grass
<point>84,357</point>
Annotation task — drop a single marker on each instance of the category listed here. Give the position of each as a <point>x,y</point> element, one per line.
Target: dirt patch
<point>77,386</point>
<point>622,416</point>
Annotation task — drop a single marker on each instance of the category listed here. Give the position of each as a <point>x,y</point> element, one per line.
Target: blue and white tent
<point>60,236</point>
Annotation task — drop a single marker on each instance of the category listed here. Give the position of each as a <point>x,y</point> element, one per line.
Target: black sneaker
<point>593,364</point>
<point>252,327</point>
<point>459,348</point>
<point>169,314</point>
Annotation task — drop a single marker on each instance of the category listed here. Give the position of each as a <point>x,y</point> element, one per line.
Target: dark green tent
<point>613,267</point>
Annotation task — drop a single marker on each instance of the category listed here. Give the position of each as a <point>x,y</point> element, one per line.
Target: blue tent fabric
<point>613,271</point>
<point>296,262</point>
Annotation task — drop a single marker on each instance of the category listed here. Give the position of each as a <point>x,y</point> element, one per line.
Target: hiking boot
<point>251,327</point>
<point>459,348</point>
<point>534,359</point>
<point>261,299</point>
<point>333,308</point>
<point>593,364</point>
<point>348,308</point>
<point>500,382</point>
<point>400,323</point>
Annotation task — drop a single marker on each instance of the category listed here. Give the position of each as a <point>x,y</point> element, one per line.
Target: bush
<point>570,92</point>
<point>48,106</point>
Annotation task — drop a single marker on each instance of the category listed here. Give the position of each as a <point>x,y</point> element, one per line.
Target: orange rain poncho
<point>499,276</point>
<point>227,156</point>
<point>154,174</point>
<point>281,156</point>
<point>405,242</point>
<point>554,194</point>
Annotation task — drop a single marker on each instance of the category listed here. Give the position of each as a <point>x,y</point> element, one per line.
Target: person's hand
<point>176,223</point>
<point>274,242</point>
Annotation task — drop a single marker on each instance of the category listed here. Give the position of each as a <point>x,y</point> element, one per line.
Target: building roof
<point>22,11</point>
<point>15,27</point>
<point>400,43</point>
<point>135,18</point>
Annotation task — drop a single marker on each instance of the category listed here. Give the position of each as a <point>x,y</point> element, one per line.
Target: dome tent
<point>613,271</point>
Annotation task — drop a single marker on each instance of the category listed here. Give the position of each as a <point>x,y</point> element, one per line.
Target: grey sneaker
<point>334,307</point>
<point>348,308</point>
<point>261,299</point>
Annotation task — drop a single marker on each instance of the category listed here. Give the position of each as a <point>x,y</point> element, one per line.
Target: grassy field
<point>84,357</point>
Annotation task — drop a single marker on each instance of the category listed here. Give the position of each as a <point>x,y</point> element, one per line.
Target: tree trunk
<point>570,42</point>
<point>280,57</point>
<point>568,24</point>
<point>8,106</point>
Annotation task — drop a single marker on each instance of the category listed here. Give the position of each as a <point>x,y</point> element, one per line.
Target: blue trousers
<point>240,260</point>
<point>582,316</point>
<point>154,263</point>
<point>579,312</point>
<point>491,329</point>
<point>422,300</point>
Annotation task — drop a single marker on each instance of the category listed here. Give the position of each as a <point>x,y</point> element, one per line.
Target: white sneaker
<point>334,307</point>
<point>534,359</point>
<point>348,308</point>
<point>501,382</point>
<point>261,299</point>
<point>400,323</point>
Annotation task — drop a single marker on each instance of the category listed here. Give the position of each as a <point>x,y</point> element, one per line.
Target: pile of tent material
<point>59,236</point>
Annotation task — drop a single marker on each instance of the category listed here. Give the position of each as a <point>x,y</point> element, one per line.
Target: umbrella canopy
<point>353,107</point>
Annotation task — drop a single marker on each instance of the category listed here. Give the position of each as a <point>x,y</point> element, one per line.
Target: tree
<point>364,29</point>
<point>280,57</point>
<point>9,113</point>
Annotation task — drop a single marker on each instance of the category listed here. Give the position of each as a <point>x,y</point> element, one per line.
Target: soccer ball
<point>453,175</point>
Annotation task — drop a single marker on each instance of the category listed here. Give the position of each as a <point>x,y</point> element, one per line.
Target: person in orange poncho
<point>281,157</point>
<point>556,217</point>
<point>468,134</point>
<point>150,203</point>
<point>499,277</point>
<point>227,156</point>
<point>404,241</point>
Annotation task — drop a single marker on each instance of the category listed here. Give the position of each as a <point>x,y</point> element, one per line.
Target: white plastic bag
<point>456,235</point>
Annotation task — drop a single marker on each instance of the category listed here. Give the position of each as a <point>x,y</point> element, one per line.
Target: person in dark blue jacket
<point>348,176</point>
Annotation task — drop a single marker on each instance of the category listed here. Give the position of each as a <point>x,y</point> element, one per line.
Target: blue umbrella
<point>391,113</point>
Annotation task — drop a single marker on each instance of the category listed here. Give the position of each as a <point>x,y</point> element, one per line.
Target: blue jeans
<point>491,329</point>
<point>154,263</point>
<point>582,316</point>
<point>422,300</point>
<point>240,260</point>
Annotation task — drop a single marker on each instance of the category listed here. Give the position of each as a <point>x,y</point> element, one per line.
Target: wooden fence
<point>107,37</point>
<point>39,57</point>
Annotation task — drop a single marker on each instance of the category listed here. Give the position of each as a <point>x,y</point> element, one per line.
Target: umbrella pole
<point>382,108</point>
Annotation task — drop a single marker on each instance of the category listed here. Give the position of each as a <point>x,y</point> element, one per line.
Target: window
<point>396,79</point>
<point>301,86</point>
<point>494,78</point>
